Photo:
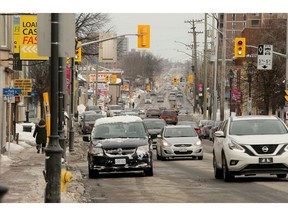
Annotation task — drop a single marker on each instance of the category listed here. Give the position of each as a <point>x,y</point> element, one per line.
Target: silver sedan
<point>177,141</point>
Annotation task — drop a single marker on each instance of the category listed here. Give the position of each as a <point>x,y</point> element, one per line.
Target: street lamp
<point>231,77</point>
<point>250,69</point>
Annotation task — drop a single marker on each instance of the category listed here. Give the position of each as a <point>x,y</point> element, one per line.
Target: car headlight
<point>235,146</point>
<point>286,148</point>
<point>166,144</point>
<point>198,143</point>
<point>97,151</point>
<point>142,150</point>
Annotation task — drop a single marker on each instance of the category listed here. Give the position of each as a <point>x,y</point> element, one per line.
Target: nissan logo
<point>265,149</point>
<point>119,150</point>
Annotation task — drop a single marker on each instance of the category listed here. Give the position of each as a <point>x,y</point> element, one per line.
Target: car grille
<point>266,166</point>
<point>120,151</point>
<point>183,145</point>
<point>185,152</point>
<point>264,149</point>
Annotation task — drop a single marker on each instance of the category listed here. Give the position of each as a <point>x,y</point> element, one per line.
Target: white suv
<point>250,145</point>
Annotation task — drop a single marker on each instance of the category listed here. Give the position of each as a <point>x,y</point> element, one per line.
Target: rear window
<point>169,113</point>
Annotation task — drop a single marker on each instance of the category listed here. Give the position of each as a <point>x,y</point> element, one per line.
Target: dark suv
<point>170,116</point>
<point>119,143</point>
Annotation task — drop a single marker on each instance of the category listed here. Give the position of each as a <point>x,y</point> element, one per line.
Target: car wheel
<point>163,158</point>
<point>148,172</point>
<point>226,174</point>
<point>157,154</point>
<point>281,175</point>
<point>92,173</point>
<point>200,157</point>
<point>218,173</point>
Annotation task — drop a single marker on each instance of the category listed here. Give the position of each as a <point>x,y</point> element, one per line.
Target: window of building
<point>244,24</point>
<point>233,25</point>
<point>233,17</point>
<point>233,34</point>
<point>244,17</point>
<point>256,14</point>
<point>255,23</point>
<point>3,31</point>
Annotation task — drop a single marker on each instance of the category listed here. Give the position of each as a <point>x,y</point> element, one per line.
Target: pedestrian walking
<point>133,105</point>
<point>41,136</point>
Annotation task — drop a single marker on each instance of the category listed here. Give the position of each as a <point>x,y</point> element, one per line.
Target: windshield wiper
<point>100,138</point>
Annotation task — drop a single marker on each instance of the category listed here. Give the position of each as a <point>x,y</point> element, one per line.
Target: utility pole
<point>71,122</point>
<point>205,72</point>
<point>53,150</point>
<point>222,90</point>
<point>194,54</point>
<point>286,75</point>
<point>215,101</point>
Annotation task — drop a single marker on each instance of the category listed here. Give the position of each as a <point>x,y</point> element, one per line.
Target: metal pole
<point>286,74</point>
<point>71,129</point>
<point>215,101</point>
<point>222,96</point>
<point>53,151</point>
<point>195,67</point>
<point>61,108</point>
<point>205,72</point>
<point>96,84</point>
<point>249,93</point>
<point>230,96</point>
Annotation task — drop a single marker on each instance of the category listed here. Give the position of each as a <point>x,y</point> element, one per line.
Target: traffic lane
<point>184,181</point>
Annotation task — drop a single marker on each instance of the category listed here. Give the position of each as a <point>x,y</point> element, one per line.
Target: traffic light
<point>107,78</point>
<point>148,88</point>
<point>175,80</point>
<point>143,36</point>
<point>78,53</point>
<point>114,78</point>
<point>191,78</point>
<point>240,47</point>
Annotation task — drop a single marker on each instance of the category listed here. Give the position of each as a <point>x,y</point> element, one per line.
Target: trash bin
<point>27,128</point>
<point>21,112</point>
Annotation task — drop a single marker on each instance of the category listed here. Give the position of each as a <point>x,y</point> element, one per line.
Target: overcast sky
<point>165,29</point>
<point>166,18</point>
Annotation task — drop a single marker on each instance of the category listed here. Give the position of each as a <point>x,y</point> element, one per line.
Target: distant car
<point>88,122</point>
<point>193,124</point>
<point>251,145</point>
<point>153,111</point>
<point>128,112</point>
<point>113,110</point>
<point>213,129</point>
<point>154,127</point>
<point>160,98</point>
<point>177,141</point>
<point>117,144</point>
<point>172,97</point>
<point>148,101</point>
<point>179,94</point>
<point>141,112</point>
<point>205,126</point>
<point>95,108</point>
<point>170,116</point>
<point>182,112</point>
<point>152,93</point>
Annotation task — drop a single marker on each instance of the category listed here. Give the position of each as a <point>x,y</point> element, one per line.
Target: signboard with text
<point>28,38</point>
<point>265,54</point>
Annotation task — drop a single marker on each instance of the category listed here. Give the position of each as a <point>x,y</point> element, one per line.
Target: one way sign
<point>265,54</point>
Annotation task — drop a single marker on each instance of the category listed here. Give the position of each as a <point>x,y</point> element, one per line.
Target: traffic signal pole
<point>53,151</point>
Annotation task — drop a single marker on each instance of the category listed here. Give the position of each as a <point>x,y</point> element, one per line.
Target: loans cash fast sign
<point>28,39</point>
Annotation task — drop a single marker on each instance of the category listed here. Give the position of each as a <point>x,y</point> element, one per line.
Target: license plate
<point>265,160</point>
<point>120,161</point>
<point>183,150</point>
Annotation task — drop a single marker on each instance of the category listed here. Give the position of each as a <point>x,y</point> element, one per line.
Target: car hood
<point>121,142</point>
<point>260,139</point>
<point>176,140</point>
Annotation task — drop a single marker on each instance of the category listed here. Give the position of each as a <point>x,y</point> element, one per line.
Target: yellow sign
<point>286,95</point>
<point>16,35</point>
<point>114,78</point>
<point>191,78</point>
<point>47,112</point>
<point>24,84</point>
<point>28,38</point>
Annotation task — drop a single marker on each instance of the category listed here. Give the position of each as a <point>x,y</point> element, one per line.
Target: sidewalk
<point>21,170</point>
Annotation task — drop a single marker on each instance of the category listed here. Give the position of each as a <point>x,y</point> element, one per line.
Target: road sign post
<point>264,59</point>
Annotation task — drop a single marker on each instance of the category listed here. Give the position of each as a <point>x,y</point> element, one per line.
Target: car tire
<point>157,155</point>
<point>200,157</point>
<point>281,175</point>
<point>92,173</point>
<point>148,172</point>
<point>226,173</point>
<point>218,173</point>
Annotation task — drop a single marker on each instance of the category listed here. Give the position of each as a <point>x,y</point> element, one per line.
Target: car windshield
<point>193,124</point>
<point>94,108</point>
<point>155,124</point>
<point>91,117</point>
<point>257,127</point>
<point>115,108</point>
<point>180,132</point>
<point>119,130</point>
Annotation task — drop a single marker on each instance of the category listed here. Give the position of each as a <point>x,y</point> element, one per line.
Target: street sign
<point>265,54</point>
<point>12,91</point>
<point>28,38</point>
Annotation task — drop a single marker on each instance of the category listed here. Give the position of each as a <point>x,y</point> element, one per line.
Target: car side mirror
<point>219,134</point>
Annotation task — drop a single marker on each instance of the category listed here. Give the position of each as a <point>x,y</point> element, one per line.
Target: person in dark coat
<point>41,136</point>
